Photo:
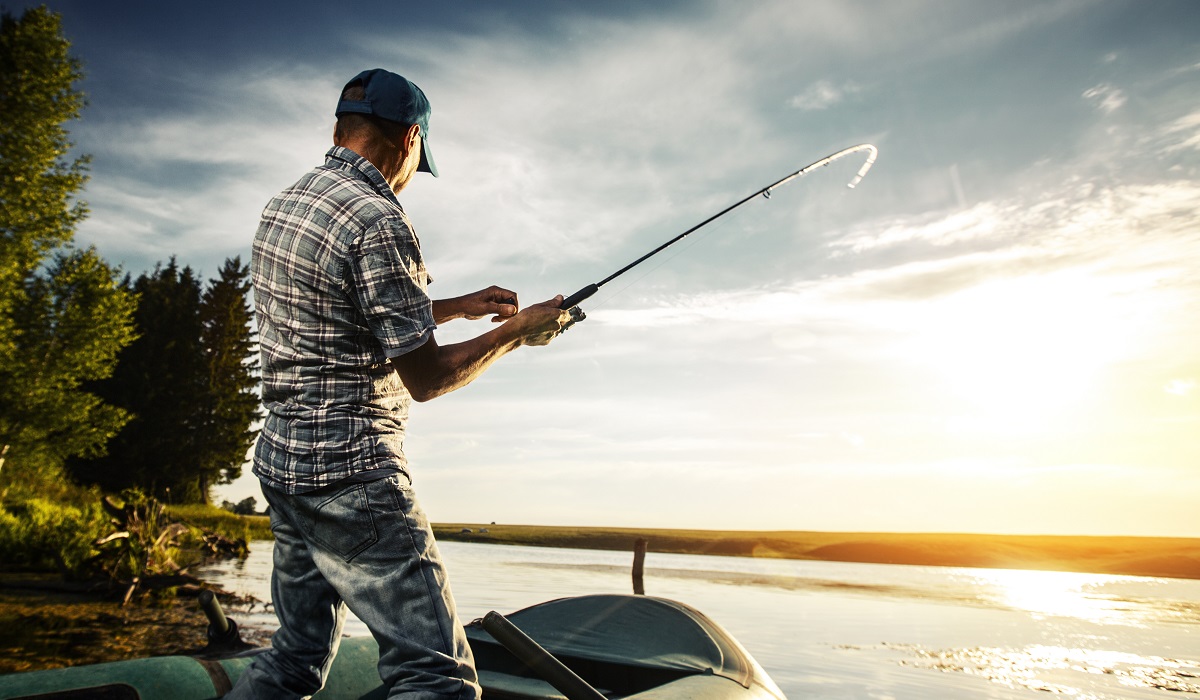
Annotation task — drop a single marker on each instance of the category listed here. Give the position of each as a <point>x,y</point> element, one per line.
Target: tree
<point>189,380</point>
<point>227,340</point>
<point>160,378</point>
<point>246,506</point>
<point>63,317</point>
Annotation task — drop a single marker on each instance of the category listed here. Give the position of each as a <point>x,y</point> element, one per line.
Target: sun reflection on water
<point>1060,594</point>
<point>1082,673</point>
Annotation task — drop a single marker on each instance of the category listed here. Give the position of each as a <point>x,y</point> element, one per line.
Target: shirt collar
<point>349,160</point>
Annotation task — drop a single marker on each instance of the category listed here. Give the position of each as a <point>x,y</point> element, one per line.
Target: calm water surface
<point>834,630</point>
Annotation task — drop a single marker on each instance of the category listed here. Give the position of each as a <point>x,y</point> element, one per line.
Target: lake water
<point>840,631</point>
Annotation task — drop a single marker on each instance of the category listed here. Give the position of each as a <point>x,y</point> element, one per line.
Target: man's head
<point>388,103</point>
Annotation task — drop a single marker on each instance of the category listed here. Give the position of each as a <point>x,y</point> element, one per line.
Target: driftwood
<point>137,555</point>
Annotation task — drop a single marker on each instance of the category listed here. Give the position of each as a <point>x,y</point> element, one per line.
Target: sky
<point>995,331</point>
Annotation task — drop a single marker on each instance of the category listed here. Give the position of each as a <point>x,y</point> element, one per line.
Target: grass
<point>223,522</point>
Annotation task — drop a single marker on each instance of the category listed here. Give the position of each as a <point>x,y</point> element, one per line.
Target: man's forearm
<point>446,310</point>
<point>432,370</point>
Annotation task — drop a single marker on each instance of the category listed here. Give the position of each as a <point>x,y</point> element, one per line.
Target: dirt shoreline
<point>46,623</point>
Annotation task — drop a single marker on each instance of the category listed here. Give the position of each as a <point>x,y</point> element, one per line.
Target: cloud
<point>1183,134</point>
<point>191,181</point>
<point>1107,98</point>
<point>822,94</point>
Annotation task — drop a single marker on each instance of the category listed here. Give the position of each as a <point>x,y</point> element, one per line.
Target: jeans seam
<point>447,641</point>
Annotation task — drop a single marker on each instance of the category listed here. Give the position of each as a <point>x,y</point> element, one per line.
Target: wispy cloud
<point>1183,134</point>
<point>1107,98</point>
<point>823,94</point>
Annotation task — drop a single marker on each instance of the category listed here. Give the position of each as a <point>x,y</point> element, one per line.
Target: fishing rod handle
<point>579,296</point>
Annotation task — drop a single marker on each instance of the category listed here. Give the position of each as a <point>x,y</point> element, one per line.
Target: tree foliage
<point>246,506</point>
<point>189,380</point>
<point>227,340</point>
<point>159,379</point>
<point>63,317</point>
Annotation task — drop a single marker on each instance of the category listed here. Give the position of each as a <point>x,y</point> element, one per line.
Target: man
<point>347,337</point>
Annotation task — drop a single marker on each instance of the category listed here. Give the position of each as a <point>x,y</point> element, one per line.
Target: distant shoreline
<point>1164,557</point>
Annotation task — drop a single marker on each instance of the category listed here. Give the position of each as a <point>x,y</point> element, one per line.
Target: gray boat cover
<point>638,631</point>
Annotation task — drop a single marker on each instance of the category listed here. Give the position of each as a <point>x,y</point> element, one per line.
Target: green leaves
<point>190,381</point>
<point>169,377</point>
<point>71,323</point>
<point>230,351</point>
<point>63,317</point>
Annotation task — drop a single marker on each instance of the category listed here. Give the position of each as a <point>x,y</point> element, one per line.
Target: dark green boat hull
<point>632,647</point>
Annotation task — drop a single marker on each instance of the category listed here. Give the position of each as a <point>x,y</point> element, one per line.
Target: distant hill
<point>1136,556</point>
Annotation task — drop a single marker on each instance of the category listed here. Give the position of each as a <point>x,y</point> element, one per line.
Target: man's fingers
<point>506,309</point>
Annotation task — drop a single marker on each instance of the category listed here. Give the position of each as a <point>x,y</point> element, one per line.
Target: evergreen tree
<point>162,379</point>
<point>63,318</point>
<point>227,340</point>
<point>189,380</point>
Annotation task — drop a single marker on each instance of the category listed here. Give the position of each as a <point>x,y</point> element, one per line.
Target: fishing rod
<point>572,302</point>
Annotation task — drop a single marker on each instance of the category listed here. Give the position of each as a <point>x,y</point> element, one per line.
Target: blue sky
<point>994,332</point>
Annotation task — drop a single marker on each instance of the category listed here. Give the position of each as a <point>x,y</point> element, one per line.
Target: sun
<point>1023,353</point>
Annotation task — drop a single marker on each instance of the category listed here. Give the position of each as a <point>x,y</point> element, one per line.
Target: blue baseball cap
<point>396,99</point>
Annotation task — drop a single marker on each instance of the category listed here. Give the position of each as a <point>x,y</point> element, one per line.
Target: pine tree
<point>228,343</point>
<point>190,381</point>
<point>162,379</point>
<point>63,317</point>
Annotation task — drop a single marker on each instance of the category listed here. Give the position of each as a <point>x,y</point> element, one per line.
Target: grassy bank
<point>1136,556</point>
<point>223,522</point>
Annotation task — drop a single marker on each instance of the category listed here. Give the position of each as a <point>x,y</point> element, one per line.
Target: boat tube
<point>622,646</point>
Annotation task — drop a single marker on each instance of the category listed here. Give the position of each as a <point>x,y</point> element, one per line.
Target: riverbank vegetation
<point>122,401</point>
<point>224,522</point>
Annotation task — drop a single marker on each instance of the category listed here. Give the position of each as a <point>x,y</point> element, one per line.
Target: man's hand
<point>541,323</point>
<point>497,302</point>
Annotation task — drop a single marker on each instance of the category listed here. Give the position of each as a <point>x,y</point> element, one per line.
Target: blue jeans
<point>368,547</point>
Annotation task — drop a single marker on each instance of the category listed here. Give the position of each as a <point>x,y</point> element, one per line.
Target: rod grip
<point>535,657</point>
<point>218,623</point>
<point>579,296</point>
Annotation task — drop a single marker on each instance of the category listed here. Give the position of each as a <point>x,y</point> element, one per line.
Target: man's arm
<point>432,370</point>
<point>494,301</point>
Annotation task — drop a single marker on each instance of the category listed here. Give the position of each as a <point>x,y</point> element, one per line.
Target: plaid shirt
<point>339,288</point>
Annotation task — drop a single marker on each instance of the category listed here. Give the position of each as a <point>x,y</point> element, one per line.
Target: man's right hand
<point>540,323</point>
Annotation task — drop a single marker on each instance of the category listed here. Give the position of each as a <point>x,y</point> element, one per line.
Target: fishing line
<point>572,302</point>
<point>701,237</point>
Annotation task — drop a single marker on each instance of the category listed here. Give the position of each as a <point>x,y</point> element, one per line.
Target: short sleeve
<point>388,282</point>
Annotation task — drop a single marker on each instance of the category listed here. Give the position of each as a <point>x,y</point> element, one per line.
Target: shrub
<point>39,534</point>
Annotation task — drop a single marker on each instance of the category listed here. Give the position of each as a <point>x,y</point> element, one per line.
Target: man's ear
<point>410,137</point>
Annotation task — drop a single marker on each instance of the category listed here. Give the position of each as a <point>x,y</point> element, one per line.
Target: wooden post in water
<point>639,560</point>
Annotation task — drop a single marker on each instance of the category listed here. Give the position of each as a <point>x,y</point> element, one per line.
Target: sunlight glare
<point>1058,594</point>
<point>1024,351</point>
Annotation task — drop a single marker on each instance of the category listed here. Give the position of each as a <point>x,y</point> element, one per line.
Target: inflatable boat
<point>581,648</point>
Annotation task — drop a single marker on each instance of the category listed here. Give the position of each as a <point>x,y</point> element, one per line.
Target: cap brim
<point>427,165</point>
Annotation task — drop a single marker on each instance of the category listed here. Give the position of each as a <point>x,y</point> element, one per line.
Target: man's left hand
<point>497,302</point>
